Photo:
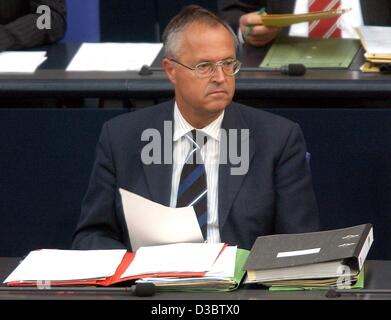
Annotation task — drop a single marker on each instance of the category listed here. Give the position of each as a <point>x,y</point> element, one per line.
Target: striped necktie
<point>325,28</point>
<point>192,189</point>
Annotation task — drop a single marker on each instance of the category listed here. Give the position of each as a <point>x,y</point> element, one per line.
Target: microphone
<point>138,290</point>
<point>143,289</point>
<point>293,69</point>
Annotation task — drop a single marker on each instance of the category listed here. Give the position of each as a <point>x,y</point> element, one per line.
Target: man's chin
<point>218,105</point>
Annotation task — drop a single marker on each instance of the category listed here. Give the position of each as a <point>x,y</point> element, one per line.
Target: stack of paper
<point>185,265</point>
<point>114,56</point>
<point>377,44</point>
<point>174,258</point>
<point>225,275</point>
<point>21,61</point>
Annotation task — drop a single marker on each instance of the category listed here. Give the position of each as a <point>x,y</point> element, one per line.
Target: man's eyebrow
<point>210,60</point>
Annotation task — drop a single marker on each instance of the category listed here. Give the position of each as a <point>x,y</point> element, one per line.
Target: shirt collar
<point>182,127</point>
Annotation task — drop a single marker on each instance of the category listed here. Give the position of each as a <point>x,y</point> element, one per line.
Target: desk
<point>317,88</point>
<point>378,276</point>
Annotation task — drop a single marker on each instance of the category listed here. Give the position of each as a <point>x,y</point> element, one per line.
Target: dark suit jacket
<point>375,12</point>
<point>275,196</point>
<point>18,23</point>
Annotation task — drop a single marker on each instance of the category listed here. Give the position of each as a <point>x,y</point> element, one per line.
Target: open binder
<point>49,267</point>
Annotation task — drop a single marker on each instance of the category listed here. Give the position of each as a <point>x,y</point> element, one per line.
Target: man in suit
<point>241,13</point>
<point>18,23</point>
<point>273,194</point>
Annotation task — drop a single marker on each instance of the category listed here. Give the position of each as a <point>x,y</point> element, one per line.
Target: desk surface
<point>347,87</point>
<point>378,276</point>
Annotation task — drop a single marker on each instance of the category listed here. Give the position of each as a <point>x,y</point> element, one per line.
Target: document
<point>376,41</point>
<point>67,265</point>
<point>108,267</point>
<point>284,20</point>
<point>225,265</point>
<point>178,257</point>
<point>114,56</point>
<point>21,61</point>
<point>225,275</point>
<point>150,223</point>
<point>313,53</point>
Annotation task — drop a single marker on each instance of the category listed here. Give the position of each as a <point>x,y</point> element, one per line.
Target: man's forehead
<point>196,35</point>
<point>205,28</point>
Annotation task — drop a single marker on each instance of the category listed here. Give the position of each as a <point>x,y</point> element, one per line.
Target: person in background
<point>241,14</point>
<point>18,23</point>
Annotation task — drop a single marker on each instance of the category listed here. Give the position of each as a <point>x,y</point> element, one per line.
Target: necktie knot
<point>198,138</point>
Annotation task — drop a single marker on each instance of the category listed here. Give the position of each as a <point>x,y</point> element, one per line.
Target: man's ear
<point>170,70</point>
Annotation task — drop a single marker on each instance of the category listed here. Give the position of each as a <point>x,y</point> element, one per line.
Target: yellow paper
<point>378,58</point>
<point>368,67</point>
<point>284,20</point>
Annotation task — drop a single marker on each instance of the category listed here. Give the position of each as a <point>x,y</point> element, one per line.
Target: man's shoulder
<point>256,117</point>
<point>142,118</point>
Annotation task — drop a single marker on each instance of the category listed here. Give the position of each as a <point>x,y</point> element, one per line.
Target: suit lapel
<point>229,184</point>
<point>158,176</point>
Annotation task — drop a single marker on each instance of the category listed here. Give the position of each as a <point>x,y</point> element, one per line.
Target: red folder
<point>114,279</point>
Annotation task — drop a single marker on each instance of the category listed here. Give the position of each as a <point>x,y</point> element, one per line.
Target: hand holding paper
<point>254,31</point>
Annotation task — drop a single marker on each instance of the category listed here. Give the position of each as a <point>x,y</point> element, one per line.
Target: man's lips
<point>218,92</point>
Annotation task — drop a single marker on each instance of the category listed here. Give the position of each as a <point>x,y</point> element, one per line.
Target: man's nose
<point>219,75</point>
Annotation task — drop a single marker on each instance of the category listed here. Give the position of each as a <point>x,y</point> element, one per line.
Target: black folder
<point>315,255</point>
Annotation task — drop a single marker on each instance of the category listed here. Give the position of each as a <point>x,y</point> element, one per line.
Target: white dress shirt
<point>210,154</point>
<point>347,23</point>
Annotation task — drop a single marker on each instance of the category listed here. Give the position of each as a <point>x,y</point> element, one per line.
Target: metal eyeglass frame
<point>215,65</point>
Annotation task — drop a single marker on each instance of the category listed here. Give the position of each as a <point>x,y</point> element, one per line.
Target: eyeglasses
<point>207,69</point>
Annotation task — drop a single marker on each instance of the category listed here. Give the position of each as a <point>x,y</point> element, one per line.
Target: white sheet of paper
<point>222,269</point>
<point>57,265</point>
<point>224,266</point>
<point>150,223</point>
<point>21,61</point>
<point>178,257</point>
<point>377,39</point>
<point>114,56</point>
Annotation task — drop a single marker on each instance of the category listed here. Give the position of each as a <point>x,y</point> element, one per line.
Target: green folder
<point>335,53</point>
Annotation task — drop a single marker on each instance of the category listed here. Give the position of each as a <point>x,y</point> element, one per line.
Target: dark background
<point>132,20</point>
